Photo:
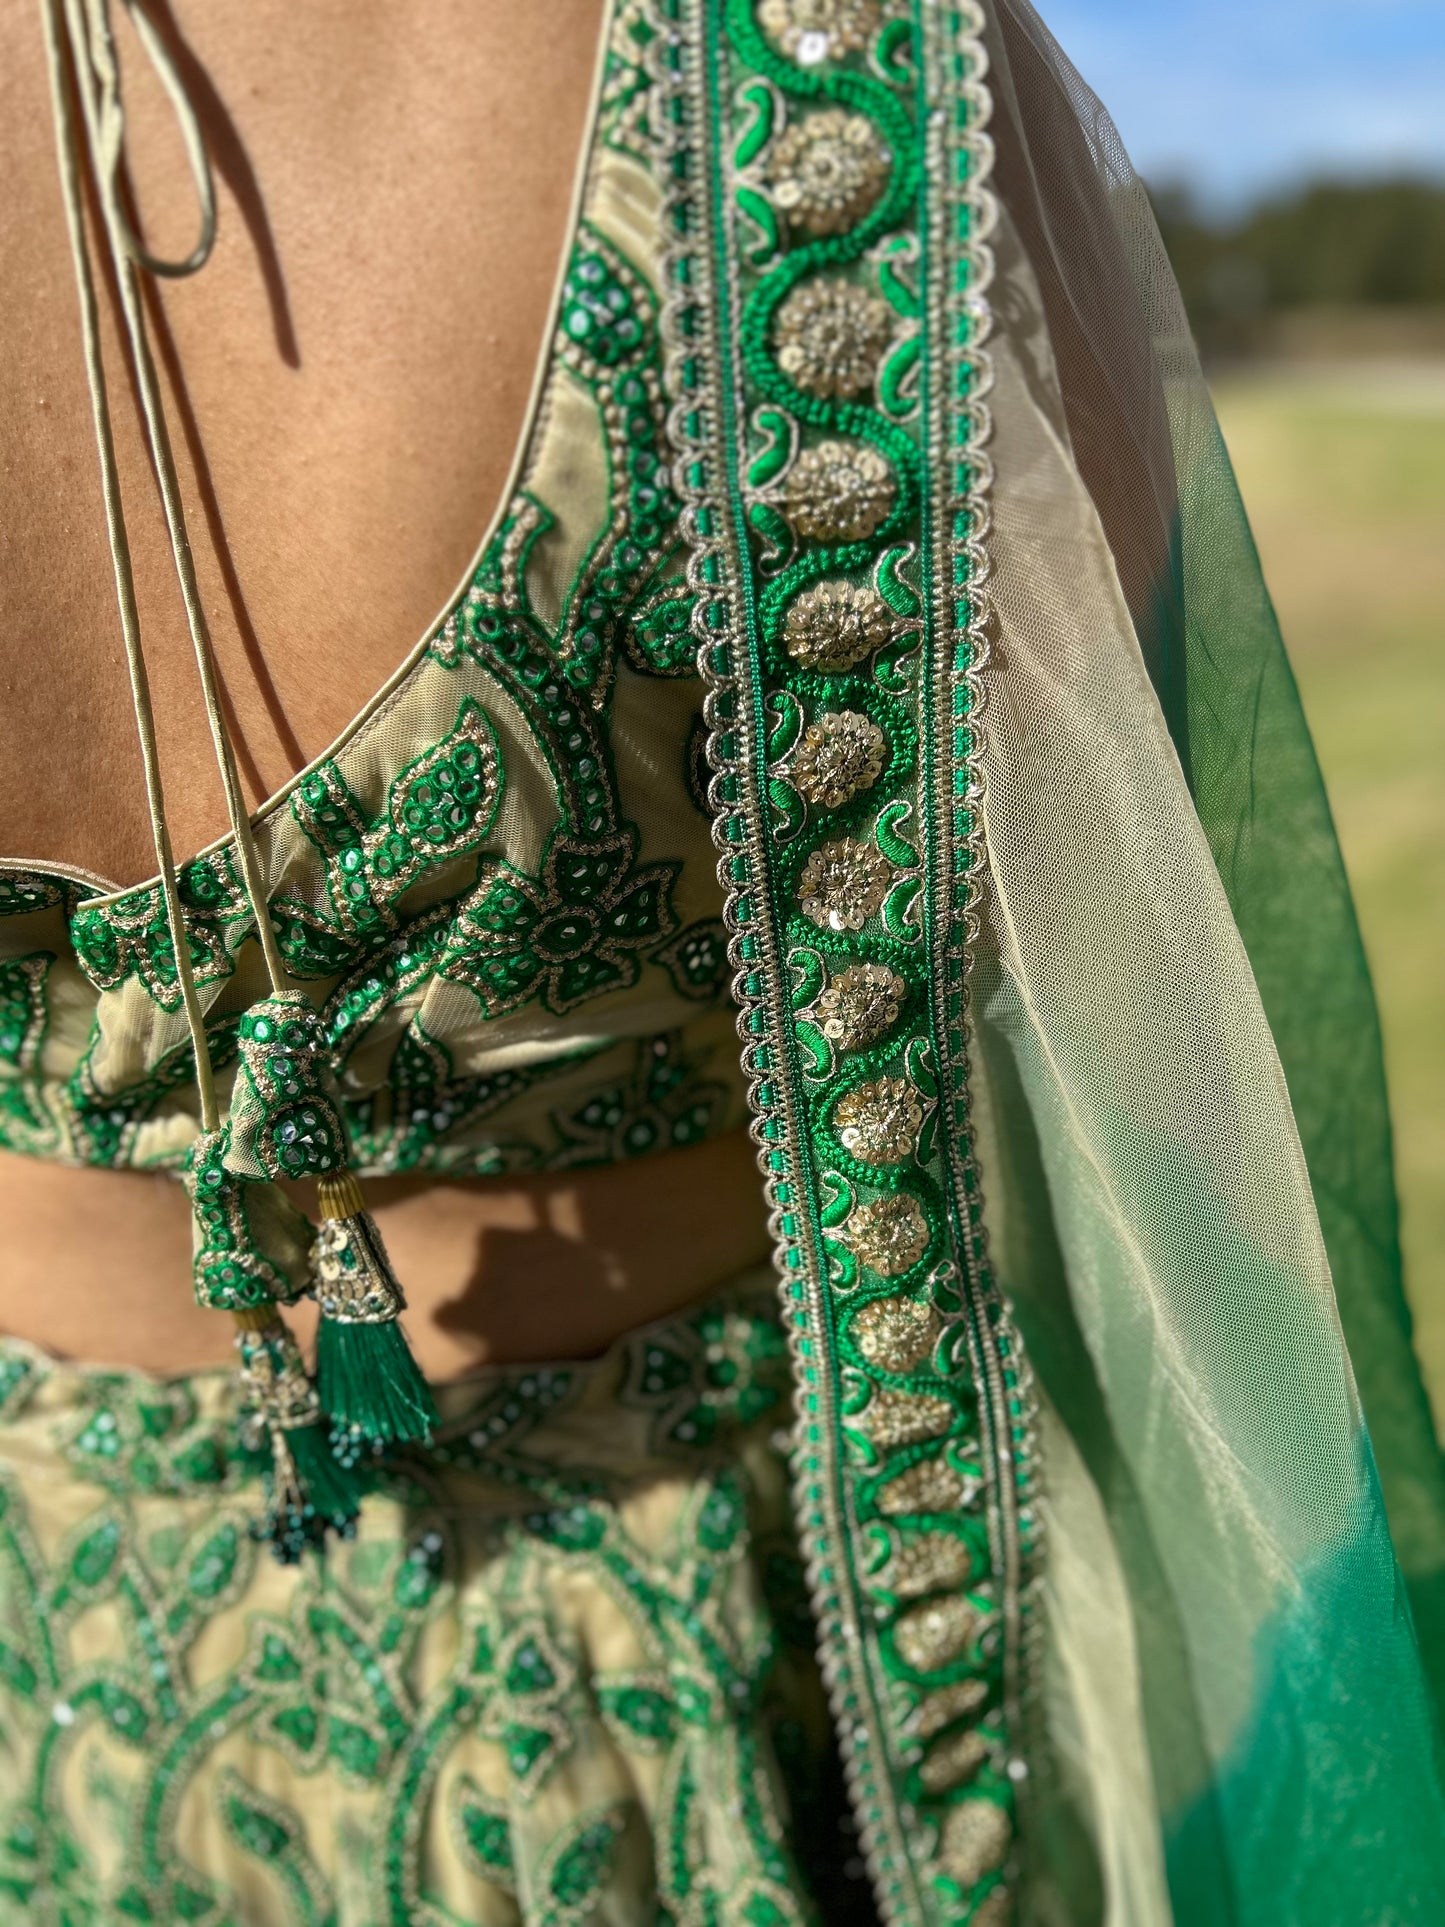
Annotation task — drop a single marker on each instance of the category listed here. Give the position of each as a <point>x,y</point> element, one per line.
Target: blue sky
<point>1245,95</point>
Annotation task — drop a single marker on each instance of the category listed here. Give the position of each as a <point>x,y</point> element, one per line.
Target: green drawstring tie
<point>250,1243</point>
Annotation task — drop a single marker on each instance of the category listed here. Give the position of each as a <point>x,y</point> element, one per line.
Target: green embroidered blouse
<point>499,886</point>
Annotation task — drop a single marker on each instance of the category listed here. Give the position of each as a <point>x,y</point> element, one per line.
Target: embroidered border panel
<point>825,324</point>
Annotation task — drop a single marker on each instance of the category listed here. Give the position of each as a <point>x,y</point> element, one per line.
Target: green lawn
<point>1345,485</point>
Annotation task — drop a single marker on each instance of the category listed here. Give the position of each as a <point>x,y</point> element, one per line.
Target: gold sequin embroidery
<point>953,1761</point>
<point>827,170</point>
<point>840,755</point>
<point>830,336</point>
<point>889,1234</point>
<point>949,1703</point>
<point>839,491</point>
<point>904,1418</point>
<point>975,1839</point>
<point>895,1334</point>
<point>843,883</point>
<point>879,1121</point>
<point>929,1564</point>
<point>861,1005</point>
<point>930,1636</point>
<point>933,1485</point>
<point>810,31</point>
<point>835,624</point>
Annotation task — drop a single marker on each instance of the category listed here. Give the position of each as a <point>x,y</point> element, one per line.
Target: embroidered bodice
<point>499,887</point>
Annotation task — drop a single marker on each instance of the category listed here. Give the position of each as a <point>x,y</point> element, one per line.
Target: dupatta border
<point>896,1448</point>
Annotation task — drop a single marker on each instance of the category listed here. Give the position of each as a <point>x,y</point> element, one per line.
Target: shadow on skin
<point>557,1267</point>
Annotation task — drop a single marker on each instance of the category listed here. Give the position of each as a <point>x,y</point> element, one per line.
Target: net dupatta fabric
<point>1184,1134</point>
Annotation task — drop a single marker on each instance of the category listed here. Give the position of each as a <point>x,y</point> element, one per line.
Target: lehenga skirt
<point>562,1674</point>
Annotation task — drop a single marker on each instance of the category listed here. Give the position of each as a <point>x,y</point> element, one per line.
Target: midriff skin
<point>355,364</point>
<point>95,1265</point>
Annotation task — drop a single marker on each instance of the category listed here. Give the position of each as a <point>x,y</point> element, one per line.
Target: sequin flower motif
<point>830,335</point>
<point>840,755</point>
<point>860,1005</point>
<point>879,1121</point>
<point>889,1234</point>
<point>933,1485</point>
<point>827,170</point>
<point>810,31</point>
<point>896,1334</point>
<point>976,1839</point>
<point>843,883</point>
<point>573,932</point>
<point>839,491</point>
<point>834,625</point>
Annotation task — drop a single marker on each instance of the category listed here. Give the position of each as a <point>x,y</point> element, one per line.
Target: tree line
<point>1328,244</point>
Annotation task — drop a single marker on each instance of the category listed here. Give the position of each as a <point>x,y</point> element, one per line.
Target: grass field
<point>1345,485</point>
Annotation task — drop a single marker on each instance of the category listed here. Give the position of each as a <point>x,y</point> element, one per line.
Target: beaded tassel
<point>285,1124</point>
<point>310,1493</point>
<point>251,1251</point>
<point>247,1253</point>
<point>251,1244</point>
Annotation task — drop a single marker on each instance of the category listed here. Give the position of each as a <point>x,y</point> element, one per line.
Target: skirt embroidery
<point>562,1674</point>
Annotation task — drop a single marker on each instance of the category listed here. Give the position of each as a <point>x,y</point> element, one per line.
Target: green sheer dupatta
<point>1187,1154</point>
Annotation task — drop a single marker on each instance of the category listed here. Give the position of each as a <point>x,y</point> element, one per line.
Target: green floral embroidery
<point>408,1125</point>
<point>697,960</point>
<point>104,1124</point>
<point>513,1682</point>
<point>24,891</point>
<point>24,1123</point>
<point>666,1102</point>
<point>710,1374</point>
<point>482,1835</point>
<point>441,806</point>
<point>128,938</point>
<point>571,933</point>
<point>595,919</point>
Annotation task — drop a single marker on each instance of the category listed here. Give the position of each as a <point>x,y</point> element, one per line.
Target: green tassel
<point>310,1496</point>
<point>309,1493</point>
<point>370,1386</point>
